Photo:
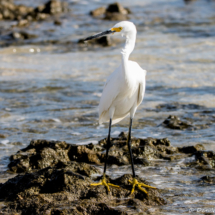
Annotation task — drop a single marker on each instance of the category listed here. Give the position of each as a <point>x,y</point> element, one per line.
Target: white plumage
<point>122,94</point>
<point>124,90</point>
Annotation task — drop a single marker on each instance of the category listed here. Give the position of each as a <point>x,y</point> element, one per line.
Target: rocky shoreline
<point>54,177</point>
<point>20,19</point>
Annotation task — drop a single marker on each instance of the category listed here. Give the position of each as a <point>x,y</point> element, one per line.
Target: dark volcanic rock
<point>207,179</point>
<point>39,154</point>
<point>191,119</point>
<point>57,178</point>
<point>21,35</point>
<point>3,136</point>
<point>42,153</point>
<point>48,180</point>
<point>176,106</point>
<point>114,11</point>
<point>11,11</point>
<point>205,159</point>
<point>98,12</point>
<point>174,122</point>
<point>57,190</point>
<point>191,149</point>
<point>53,7</point>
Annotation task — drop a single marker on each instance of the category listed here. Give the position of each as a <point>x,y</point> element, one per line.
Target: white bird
<point>123,93</point>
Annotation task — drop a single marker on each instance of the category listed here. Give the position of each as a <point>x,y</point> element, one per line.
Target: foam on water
<point>87,142</point>
<point>4,142</point>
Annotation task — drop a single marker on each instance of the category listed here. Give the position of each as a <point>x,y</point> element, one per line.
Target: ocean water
<point>52,91</point>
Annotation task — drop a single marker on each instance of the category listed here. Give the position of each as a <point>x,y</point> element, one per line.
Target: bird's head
<point>125,28</point>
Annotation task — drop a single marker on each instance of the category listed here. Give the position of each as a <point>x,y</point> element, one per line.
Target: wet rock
<point>142,149</point>
<point>60,204</point>
<point>52,7</point>
<point>21,35</point>
<point>64,191</point>
<point>11,11</point>
<point>191,119</point>
<point>47,180</point>
<point>205,159</point>
<point>2,136</point>
<point>113,11</point>
<point>23,23</point>
<point>42,153</point>
<point>24,14</point>
<point>176,106</point>
<point>116,12</point>
<point>16,143</point>
<point>98,12</point>
<point>38,155</point>
<point>191,149</point>
<point>208,179</point>
<point>202,159</point>
<point>57,22</point>
<point>115,17</point>
<point>116,8</point>
<point>174,122</point>
<point>57,178</point>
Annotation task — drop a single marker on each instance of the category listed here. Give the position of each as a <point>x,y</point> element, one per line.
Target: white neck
<point>128,48</point>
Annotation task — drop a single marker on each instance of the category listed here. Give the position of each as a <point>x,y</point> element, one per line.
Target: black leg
<point>103,180</point>
<point>129,148</point>
<point>108,146</point>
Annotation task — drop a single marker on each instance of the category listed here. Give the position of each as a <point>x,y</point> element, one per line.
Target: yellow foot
<point>139,185</point>
<point>103,182</point>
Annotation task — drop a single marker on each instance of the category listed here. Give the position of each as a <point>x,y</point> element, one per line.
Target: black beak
<point>99,35</point>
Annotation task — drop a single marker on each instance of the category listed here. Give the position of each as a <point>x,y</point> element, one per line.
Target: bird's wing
<point>110,92</point>
<point>141,90</point>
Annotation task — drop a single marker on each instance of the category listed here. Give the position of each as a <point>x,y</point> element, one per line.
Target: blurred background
<point>51,81</point>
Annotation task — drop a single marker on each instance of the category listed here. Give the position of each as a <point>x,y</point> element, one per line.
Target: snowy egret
<point>122,94</point>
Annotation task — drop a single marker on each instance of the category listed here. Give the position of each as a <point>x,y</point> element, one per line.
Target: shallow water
<point>52,91</point>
